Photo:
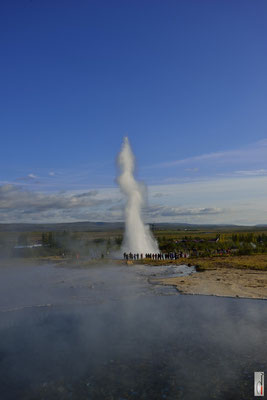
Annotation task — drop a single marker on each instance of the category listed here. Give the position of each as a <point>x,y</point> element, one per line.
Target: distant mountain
<point>213,227</point>
<point>112,226</point>
<point>69,226</point>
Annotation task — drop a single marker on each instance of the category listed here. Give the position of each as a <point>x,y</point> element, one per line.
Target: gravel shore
<point>230,282</point>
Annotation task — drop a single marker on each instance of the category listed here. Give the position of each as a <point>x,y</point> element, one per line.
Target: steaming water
<point>137,238</point>
<point>106,333</point>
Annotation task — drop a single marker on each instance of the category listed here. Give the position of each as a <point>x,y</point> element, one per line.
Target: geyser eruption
<point>137,237</point>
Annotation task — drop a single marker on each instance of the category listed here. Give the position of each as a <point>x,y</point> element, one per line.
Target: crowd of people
<point>155,256</point>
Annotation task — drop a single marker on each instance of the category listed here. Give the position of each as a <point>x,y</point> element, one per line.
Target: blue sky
<point>185,80</point>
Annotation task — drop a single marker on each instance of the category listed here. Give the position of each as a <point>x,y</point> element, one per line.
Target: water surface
<point>105,332</point>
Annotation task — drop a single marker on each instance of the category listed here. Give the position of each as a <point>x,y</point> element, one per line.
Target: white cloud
<point>15,197</point>
<point>240,199</point>
<point>18,203</point>
<point>243,199</point>
<point>32,176</point>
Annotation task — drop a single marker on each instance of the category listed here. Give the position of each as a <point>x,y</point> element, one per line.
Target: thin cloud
<point>166,211</point>
<point>191,169</point>
<point>255,152</point>
<point>253,172</point>
<point>28,178</point>
<point>158,195</point>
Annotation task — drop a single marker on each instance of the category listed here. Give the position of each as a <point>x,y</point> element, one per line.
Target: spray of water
<point>137,237</point>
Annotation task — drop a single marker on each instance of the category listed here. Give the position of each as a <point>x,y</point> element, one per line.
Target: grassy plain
<point>236,247</point>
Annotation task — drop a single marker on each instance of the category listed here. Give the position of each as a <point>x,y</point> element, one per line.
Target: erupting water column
<point>137,237</point>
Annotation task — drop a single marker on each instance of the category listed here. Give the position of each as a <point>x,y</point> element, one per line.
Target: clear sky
<point>185,80</point>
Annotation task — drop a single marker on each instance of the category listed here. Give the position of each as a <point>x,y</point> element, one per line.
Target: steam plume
<point>137,237</point>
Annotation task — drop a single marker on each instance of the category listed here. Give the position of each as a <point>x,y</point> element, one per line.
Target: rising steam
<point>137,237</point>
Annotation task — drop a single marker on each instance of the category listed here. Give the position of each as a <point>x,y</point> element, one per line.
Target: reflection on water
<point>106,333</point>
